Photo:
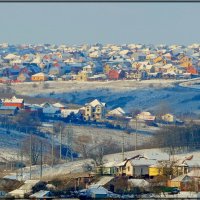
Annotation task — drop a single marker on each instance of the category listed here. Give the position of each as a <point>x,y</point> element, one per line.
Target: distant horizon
<point>105,23</point>
<point>95,43</point>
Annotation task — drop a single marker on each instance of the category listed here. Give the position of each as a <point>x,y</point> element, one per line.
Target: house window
<point>129,169</point>
<point>141,171</point>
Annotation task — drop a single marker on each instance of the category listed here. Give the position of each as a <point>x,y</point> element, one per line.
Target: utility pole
<point>41,162</point>
<point>123,147</point>
<point>136,127</point>
<point>60,142</point>
<point>18,154</point>
<point>69,141</point>
<point>21,156</point>
<point>52,148</point>
<point>30,153</point>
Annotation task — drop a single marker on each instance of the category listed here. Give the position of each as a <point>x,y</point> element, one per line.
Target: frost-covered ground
<point>77,166</point>
<point>9,143</point>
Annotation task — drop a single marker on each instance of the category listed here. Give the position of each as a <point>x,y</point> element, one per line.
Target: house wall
<point>39,78</point>
<point>96,113</point>
<point>82,76</point>
<point>19,105</point>
<point>129,169</point>
<point>88,112</point>
<point>155,171</point>
<point>173,184</point>
<point>121,170</point>
<point>113,75</point>
<point>106,69</point>
<point>168,118</point>
<point>99,112</point>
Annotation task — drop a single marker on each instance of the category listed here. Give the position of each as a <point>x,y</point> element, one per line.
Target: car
<point>175,191</point>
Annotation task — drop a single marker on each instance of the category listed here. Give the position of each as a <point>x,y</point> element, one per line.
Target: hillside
<point>144,95</point>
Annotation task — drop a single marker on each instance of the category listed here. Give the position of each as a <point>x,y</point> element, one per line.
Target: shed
<point>183,182</point>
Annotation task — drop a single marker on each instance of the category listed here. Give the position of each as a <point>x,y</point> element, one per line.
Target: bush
<point>34,85</point>
<point>151,85</point>
<point>45,85</point>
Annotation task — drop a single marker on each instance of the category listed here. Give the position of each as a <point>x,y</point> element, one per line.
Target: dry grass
<point>28,88</point>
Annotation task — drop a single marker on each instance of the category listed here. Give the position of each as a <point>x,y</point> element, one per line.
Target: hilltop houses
<point>130,61</point>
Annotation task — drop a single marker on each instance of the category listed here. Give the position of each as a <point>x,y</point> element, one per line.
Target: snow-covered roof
<point>58,105</point>
<point>183,177</point>
<point>121,163</point>
<point>117,111</point>
<point>40,74</point>
<point>143,162</point>
<point>11,56</point>
<point>194,173</point>
<point>110,164</point>
<point>95,103</point>
<point>14,99</point>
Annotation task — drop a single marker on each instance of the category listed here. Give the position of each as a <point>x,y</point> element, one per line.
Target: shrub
<point>151,85</point>
<point>34,85</point>
<point>45,85</point>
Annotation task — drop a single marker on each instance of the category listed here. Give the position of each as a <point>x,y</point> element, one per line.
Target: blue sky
<point>78,23</point>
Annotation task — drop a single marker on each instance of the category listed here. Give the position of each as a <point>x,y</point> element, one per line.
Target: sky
<point>119,23</point>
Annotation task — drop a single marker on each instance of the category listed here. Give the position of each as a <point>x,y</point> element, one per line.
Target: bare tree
<point>162,108</point>
<point>31,147</point>
<point>26,119</point>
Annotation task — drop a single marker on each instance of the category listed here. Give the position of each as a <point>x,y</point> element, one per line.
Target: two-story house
<point>94,111</point>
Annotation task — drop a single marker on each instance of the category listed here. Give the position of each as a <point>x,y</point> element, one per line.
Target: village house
<point>138,166</point>
<point>14,101</point>
<point>161,167</point>
<point>94,111</point>
<point>182,182</point>
<point>50,111</point>
<point>115,74</point>
<point>83,76</point>
<point>39,77</point>
<point>107,168</point>
<point>23,77</point>
<point>117,112</point>
<point>185,61</point>
<point>146,116</point>
<point>169,118</point>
